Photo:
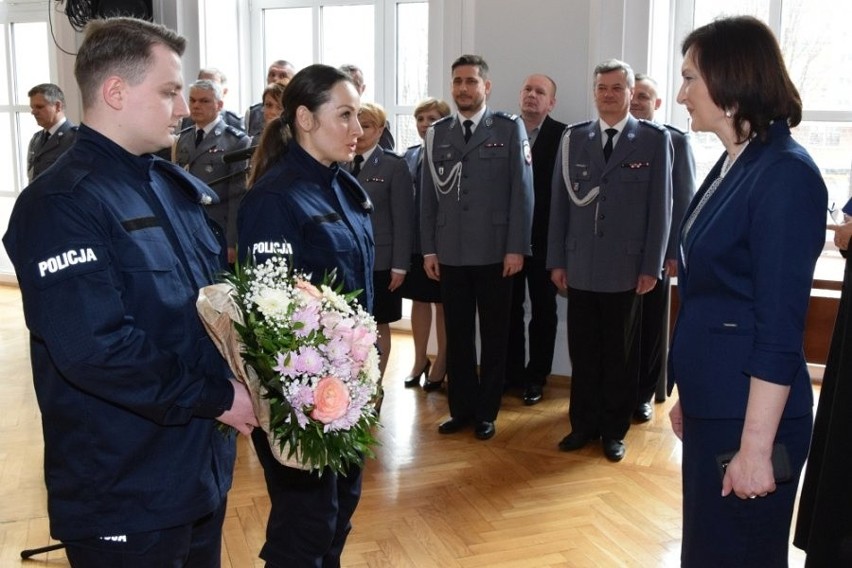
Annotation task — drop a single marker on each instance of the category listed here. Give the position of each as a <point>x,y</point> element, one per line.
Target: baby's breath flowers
<point>312,349</point>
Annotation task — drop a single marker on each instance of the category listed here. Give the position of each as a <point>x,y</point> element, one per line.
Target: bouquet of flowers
<point>307,355</point>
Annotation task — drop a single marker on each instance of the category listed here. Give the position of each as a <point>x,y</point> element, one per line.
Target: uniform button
<point>602,217</point>
<point>603,197</point>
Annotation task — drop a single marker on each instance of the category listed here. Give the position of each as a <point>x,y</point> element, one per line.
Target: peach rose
<point>331,400</point>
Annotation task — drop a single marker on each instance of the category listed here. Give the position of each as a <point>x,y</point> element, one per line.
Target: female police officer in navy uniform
<point>298,195</point>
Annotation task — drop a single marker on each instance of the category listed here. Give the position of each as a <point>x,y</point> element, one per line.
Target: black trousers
<point>466,290</point>
<point>652,343</point>
<point>523,371</point>
<point>310,515</point>
<point>603,344</point>
<point>193,545</point>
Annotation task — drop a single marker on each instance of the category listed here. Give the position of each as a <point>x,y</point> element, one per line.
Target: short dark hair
<point>475,60</point>
<point>51,93</point>
<point>119,46</point>
<point>742,65</point>
<point>311,88</point>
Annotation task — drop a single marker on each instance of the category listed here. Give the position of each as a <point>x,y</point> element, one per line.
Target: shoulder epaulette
<point>413,146</point>
<point>233,130</point>
<point>391,153</point>
<point>443,120</point>
<point>185,130</point>
<point>675,129</point>
<point>507,115</point>
<point>652,124</point>
<point>578,124</point>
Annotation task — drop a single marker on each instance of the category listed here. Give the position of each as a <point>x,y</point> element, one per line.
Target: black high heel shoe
<point>430,386</point>
<point>414,380</point>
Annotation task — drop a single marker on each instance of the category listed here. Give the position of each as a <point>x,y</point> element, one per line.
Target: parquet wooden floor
<point>429,500</point>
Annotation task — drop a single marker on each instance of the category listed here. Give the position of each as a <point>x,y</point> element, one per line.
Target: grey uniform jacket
<point>683,184</point>
<point>41,156</point>
<point>385,177</point>
<point>476,197</point>
<point>605,242</point>
<point>205,162</point>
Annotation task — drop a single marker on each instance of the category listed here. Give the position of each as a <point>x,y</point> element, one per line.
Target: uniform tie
<point>199,136</point>
<point>467,130</point>
<point>610,132</point>
<point>356,169</point>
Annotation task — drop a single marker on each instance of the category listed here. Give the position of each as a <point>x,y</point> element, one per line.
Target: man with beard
<point>476,219</point>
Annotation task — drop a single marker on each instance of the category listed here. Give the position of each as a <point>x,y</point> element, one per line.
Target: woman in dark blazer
<point>749,243</point>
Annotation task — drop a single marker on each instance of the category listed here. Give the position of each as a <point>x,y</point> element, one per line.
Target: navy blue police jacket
<point>319,214</point>
<point>127,380</point>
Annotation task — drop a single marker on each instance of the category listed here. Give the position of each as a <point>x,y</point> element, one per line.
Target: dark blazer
<point>543,157</point>
<point>622,233</point>
<point>744,280</point>
<point>227,180</point>
<point>41,156</point>
<point>487,213</point>
<point>387,181</point>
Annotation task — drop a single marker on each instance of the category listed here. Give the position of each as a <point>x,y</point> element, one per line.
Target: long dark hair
<point>311,88</point>
<point>742,65</point>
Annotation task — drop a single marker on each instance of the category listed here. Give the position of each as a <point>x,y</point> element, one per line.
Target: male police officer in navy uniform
<point>47,103</point>
<point>477,204</point>
<point>655,317</point>
<point>110,247</point>
<point>609,222</point>
<point>199,150</point>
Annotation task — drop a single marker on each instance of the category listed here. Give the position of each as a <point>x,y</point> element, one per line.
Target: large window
<point>25,61</point>
<point>387,39</point>
<point>817,53</point>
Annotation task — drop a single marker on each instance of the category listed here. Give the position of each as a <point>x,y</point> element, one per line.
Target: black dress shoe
<point>429,385</point>
<point>484,430</point>
<point>643,413</point>
<point>414,380</point>
<point>532,395</point>
<point>453,425</point>
<point>613,449</point>
<point>575,441</point>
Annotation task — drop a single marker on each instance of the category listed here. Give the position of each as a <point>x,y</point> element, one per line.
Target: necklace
<point>729,161</point>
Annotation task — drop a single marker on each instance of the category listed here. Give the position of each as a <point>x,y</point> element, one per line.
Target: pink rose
<point>308,289</point>
<point>331,400</point>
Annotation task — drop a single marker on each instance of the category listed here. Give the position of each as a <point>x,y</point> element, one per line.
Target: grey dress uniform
<point>609,223</point>
<point>655,317</point>
<point>385,177</point>
<point>42,153</point>
<point>476,207</point>
<point>231,119</point>
<point>254,120</point>
<point>227,180</point>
